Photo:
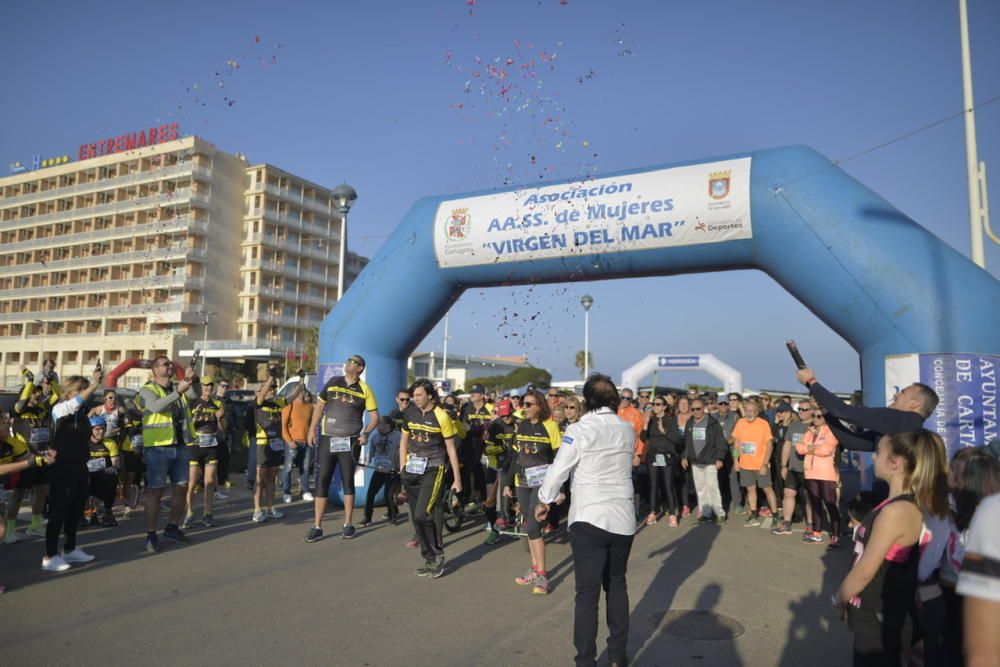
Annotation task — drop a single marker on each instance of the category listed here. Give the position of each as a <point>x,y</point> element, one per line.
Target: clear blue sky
<point>369,93</point>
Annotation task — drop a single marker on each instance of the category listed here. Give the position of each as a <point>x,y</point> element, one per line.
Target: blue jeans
<point>302,458</point>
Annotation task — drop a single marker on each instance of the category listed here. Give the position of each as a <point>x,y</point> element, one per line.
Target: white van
<point>286,389</point>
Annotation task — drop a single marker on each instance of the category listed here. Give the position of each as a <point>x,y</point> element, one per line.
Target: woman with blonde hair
<point>573,409</point>
<point>877,596</point>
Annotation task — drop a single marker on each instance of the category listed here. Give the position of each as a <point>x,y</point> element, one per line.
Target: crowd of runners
<point>80,455</point>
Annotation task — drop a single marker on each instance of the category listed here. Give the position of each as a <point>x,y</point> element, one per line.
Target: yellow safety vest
<point>158,427</point>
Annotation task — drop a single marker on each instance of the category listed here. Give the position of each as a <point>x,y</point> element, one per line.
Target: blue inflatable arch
<point>881,281</point>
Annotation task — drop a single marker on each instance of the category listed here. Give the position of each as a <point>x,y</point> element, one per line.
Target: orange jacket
<point>820,464</point>
<point>634,417</point>
<point>295,418</point>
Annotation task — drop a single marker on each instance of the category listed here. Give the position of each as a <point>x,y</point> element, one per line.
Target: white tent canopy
<point>732,379</point>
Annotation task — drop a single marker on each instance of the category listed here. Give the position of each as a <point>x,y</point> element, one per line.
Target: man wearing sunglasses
<point>704,451</point>
<point>402,402</point>
<point>793,472</point>
<point>341,406</point>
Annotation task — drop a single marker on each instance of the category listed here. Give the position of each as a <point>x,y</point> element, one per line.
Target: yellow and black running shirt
<point>499,440</point>
<point>203,415</point>
<point>477,420</point>
<point>427,432</point>
<point>131,431</point>
<point>344,406</point>
<point>535,445</point>
<point>105,449</point>
<point>33,426</point>
<point>267,417</point>
<point>11,450</point>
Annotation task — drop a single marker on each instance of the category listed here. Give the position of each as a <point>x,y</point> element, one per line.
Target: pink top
<point>820,464</point>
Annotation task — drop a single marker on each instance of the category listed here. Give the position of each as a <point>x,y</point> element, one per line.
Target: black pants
<point>67,495</point>
<point>391,483</point>
<point>824,493</point>
<point>601,561</point>
<point>104,487</point>
<point>328,462</point>
<point>424,494</point>
<point>662,475</point>
<point>685,487</point>
<point>724,487</point>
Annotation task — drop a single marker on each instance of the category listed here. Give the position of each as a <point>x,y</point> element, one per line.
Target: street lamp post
<point>587,301</point>
<point>444,355</point>
<point>41,344</point>
<point>204,340</point>
<point>343,198</point>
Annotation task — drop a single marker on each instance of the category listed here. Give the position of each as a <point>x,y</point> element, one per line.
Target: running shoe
<point>208,520</point>
<point>35,531</point>
<point>275,514</point>
<point>54,564</point>
<point>175,534</point>
<point>11,538</point>
<point>766,512</point>
<point>188,522</point>
<point>314,535</point>
<point>752,521</point>
<point>435,570</point>
<point>685,512</point>
<point>259,516</point>
<point>541,586</point>
<point>219,495</point>
<point>720,520</point>
<point>425,570</point>
<point>492,538</point>
<point>287,498</point>
<point>834,543</point>
<point>412,544</point>
<point>109,520</point>
<point>227,484</point>
<point>806,531</point>
<point>705,519</point>
<point>364,523</point>
<point>783,528</point>
<point>813,538</point>
<point>77,555</point>
<point>672,521</point>
<point>651,519</point>
<point>308,497</point>
<point>349,532</point>
<point>529,578</point>
<point>153,544</point>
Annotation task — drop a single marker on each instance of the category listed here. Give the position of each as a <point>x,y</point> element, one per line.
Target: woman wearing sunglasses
<point>661,457</point>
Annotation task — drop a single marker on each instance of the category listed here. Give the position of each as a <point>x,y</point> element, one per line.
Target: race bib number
<point>698,432</point>
<point>485,460</point>
<point>96,465</point>
<point>416,465</point>
<point>796,437</point>
<point>535,475</point>
<point>382,463</point>
<point>136,441</point>
<point>748,448</point>
<point>660,461</point>
<point>38,436</point>
<point>338,445</point>
<point>207,440</point>
<point>277,444</point>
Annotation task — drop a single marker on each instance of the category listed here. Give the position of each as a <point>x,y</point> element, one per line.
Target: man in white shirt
<point>598,451</point>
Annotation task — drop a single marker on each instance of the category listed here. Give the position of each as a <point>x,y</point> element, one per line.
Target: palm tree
<point>580,363</point>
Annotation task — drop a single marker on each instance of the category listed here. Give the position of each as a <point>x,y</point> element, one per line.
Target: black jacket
<point>715,443</point>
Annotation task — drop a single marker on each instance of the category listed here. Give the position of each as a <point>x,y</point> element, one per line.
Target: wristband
<point>810,382</point>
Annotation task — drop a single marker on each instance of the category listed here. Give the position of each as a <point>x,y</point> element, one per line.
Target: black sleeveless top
<point>886,607</point>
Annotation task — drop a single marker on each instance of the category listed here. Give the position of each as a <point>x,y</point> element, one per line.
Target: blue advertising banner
<point>327,371</point>
<point>967,387</point>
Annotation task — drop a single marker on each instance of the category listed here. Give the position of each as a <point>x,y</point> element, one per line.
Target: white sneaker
<point>54,564</point>
<point>35,531</point>
<point>11,537</point>
<point>78,555</point>
<point>259,517</point>
<point>287,498</point>
<point>275,514</point>
<point>307,497</point>
<point>219,495</point>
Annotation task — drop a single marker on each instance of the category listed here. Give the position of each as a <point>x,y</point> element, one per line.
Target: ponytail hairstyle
<point>74,383</point>
<point>975,474</point>
<point>926,468</point>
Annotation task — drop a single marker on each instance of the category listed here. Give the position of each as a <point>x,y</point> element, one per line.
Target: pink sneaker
<point>500,524</point>
<point>412,544</point>
<point>673,521</point>
<point>529,577</point>
<point>685,512</point>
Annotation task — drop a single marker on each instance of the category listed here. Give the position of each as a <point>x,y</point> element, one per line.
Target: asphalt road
<point>247,594</point>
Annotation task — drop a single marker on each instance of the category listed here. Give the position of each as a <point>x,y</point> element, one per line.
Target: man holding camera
<point>270,443</point>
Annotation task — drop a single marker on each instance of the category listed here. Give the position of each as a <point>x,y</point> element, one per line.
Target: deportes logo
<point>458,224</point>
<point>700,227</point>
<point>718,184</point>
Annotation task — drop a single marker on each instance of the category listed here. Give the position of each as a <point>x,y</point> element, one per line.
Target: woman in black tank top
<point>877,597</point>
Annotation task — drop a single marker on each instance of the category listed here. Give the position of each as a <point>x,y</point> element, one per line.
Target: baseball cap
<point>505,408</point>
<point>783,407</point>
<point>98,421</point>
<point>207,379</point>
<point>477,389</point>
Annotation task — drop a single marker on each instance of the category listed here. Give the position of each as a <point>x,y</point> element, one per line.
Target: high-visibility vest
<point>158,427</point>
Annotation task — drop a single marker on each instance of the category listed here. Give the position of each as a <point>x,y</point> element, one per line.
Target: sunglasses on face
<point>403,400</point>
<point>528,404</point>
<point>697,409</point>
<point>570,407</point>
<point>805,409</point>
<point>659,403</point>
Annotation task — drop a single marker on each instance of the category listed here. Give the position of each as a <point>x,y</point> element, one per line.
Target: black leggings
<point>666,475</point>
<point>527,500</point>
<point>328,462</point>
<point>67,496</point>
<point>822,492</point>
<point>104,487</point>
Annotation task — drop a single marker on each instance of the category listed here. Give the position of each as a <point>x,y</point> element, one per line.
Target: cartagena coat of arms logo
<point>458,224</point>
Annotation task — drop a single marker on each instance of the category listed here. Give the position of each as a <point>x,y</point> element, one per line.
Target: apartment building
<point>141,252</point>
